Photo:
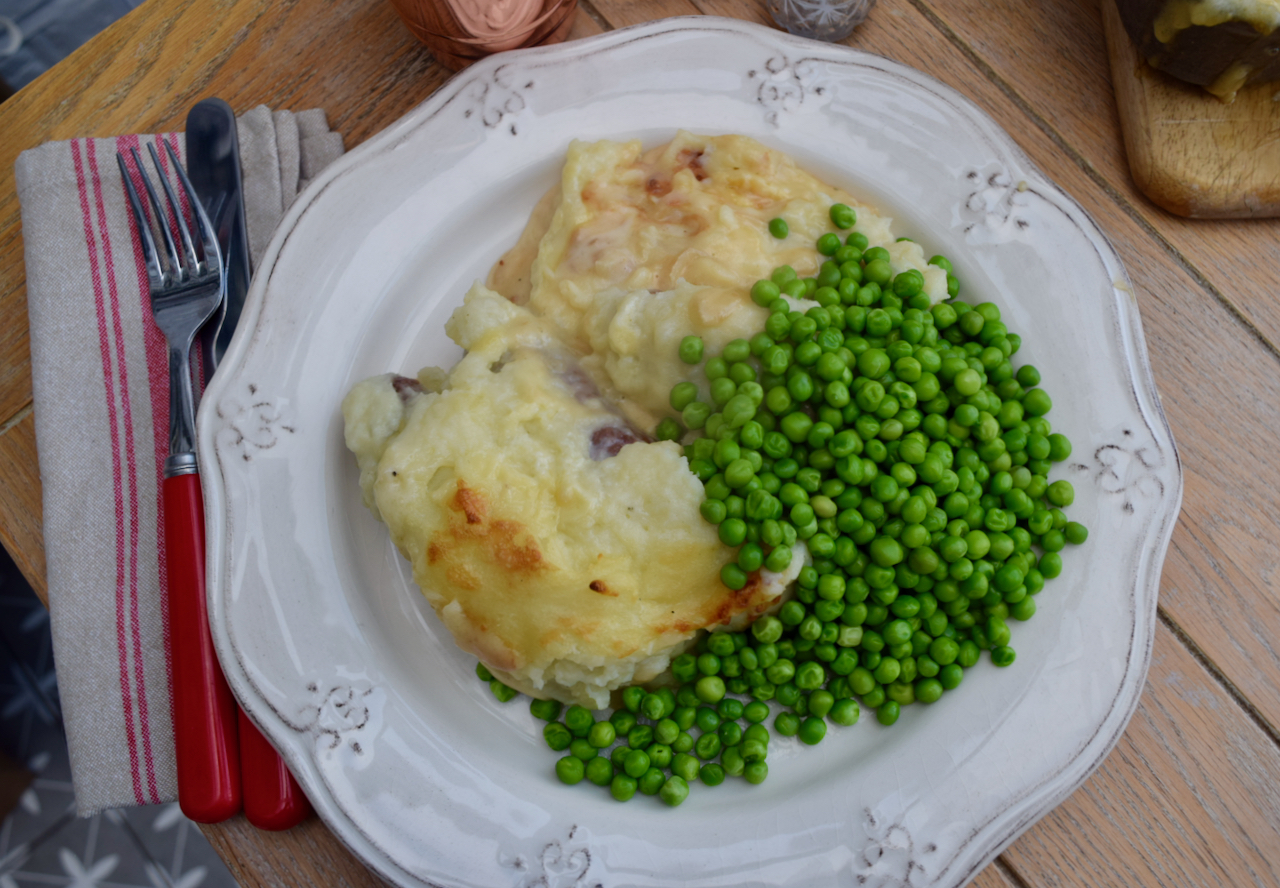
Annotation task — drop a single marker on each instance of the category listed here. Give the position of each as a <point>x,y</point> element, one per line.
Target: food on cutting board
<point>1221,45</point>
<point>720,440</point>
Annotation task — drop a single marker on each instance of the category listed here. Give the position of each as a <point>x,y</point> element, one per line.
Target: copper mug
<point>458,32</point>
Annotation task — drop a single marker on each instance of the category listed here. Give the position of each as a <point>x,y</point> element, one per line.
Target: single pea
<point>547,710</point>
<point>682,395</point>
<point>602,735</point>
<point>1061,493</point>
<point>668,430</point>
<point>845,712</point>
<point>579,720</point>
<point>503,693</point>
<point>1002,655</point>
<point>778,228</point>
<point>843,216</point>
<point>711,689</point>
<point>1036,402</point>
<point>570,770</point>
<point>1075,532</point>
<point>599,771</point>
<point>651,783</point>
<point>557,736</point>
<point>756,772</point>
<point>756,712</point>
<point>928,690</point>
<point>686,766</point>
<point>636,763</point>
<point>712,774</point>
<point>787,724</point>
<point>623,787</point>
<point>691,349</point>
<point>887,712</point>
<point>707,746</point>
<point>582,748</point>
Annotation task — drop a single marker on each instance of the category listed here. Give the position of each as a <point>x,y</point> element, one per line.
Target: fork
<point>186,288</point>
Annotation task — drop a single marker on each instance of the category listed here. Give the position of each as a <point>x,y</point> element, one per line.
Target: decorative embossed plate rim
<point>340,662</point>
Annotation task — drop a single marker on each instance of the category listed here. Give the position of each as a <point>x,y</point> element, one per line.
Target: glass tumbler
<point>828,20</point>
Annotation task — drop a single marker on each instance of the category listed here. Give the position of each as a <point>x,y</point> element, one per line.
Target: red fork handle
<point>204,712</point>
<point>272,798</point>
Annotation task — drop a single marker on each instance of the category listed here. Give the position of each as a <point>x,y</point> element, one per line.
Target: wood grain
<point>1218,578</point>
<point>1168,806</point>
<point>307,855</point>
<point>1189,151</point>
<point>1051,60</point>
<point>20,507</point>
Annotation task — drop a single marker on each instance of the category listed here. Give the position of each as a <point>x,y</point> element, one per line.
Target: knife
<point>272,798</point>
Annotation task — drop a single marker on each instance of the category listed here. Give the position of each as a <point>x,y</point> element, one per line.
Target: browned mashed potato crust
<point>553,537</point>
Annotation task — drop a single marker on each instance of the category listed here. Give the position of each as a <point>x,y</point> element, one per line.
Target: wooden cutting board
<point>1190,152</point>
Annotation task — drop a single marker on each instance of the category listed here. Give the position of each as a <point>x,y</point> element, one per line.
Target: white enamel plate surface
<point>335,654</point>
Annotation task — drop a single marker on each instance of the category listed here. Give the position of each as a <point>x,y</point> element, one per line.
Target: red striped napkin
<point>100,375</point>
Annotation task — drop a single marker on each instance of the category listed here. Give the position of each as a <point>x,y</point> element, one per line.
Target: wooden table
<point>1191,795</point>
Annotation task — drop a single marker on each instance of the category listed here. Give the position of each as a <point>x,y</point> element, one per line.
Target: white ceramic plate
<point>335,654</point>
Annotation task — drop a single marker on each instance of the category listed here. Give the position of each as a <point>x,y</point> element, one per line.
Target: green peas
<point>778,228</point>
<point>812,730</point>
<point>570,770</point>
<point>1002,655</point>
<point>622,787</point>
<point>652,781</point>
<point>928,690</point>
<point>707,746</point>
<point>503,693</point>
<point>733,531</point>
<point>691,349</point>
<point>579,721</point>
<point>483,673</point>
<point>1075,533</point>
<point>710,689</point>
<point>712,774</point>
<point>1061,493</point>
<point>557,736</point>
<point>1036,402</point>
<point>602,735</point>
<point>843,216</point>
<point>599,771</point>
<point>636,764</point>
<point>695,414</point>
<point>547,710</point>
<point>685,766</point>
<point>845,712</point>
<point>887,712</point>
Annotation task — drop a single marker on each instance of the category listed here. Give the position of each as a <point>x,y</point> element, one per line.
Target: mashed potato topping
<point>555,543</point>
<point>555,539</point>
<point>635,249</point>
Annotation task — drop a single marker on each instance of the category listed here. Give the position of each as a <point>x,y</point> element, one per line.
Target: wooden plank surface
<point>1190,152</point>
<point>1217,580</point>
<point>1188,797</point>
<point>1046,51</point>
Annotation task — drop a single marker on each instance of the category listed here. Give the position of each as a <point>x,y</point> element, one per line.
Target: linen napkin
<point>100,375</point>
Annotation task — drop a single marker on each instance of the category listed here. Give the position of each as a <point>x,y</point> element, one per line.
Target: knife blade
<point>271,796</point>
<point>213,164</point>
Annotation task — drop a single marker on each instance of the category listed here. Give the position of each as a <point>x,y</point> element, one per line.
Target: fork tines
<point>177,271</point>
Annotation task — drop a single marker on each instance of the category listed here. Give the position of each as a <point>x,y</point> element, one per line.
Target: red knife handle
<point>204,712</point>
<point>272,798</point>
